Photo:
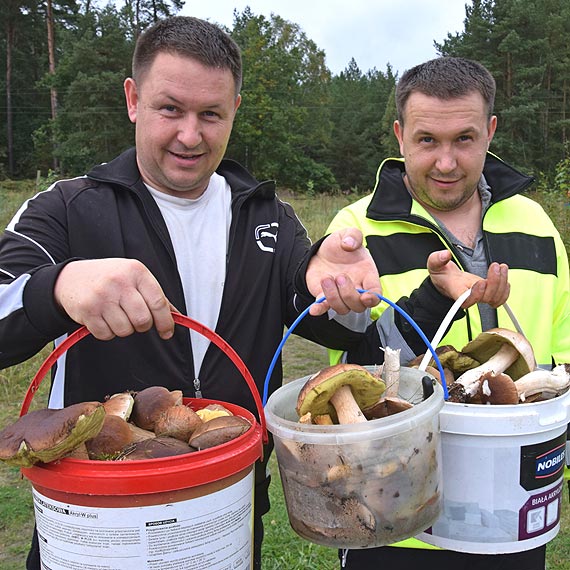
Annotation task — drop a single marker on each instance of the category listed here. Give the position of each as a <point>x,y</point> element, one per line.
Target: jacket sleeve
<point>561,317</point>
<point>32,253</point>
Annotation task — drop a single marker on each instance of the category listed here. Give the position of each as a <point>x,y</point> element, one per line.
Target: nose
<point>190,131</point>
<point>446,161</point>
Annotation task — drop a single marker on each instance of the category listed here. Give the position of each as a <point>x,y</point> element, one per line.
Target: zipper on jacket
<point>197,390</point>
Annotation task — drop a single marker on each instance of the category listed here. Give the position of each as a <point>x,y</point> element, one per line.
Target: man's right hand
<point>451,281</point>
<point>113,297</point>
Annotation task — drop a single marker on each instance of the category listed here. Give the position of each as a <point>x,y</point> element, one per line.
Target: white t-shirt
<point>199,230</point>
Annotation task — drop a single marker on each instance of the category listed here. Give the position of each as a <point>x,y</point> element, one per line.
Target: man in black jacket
<point>171,225</point>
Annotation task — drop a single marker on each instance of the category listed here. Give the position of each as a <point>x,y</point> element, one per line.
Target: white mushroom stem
<point>391,371</point>
<point>499,362</point>
<point>347,409</point>
<point>548,383</point>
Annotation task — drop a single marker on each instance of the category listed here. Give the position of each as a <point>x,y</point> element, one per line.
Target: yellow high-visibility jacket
<point>400,234</point>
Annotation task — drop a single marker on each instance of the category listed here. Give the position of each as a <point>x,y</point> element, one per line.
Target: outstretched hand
<point>113,297</point>
<point>340,267</point>
<point>452,282</point>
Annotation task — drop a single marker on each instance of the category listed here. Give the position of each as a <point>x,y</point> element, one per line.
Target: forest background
<point>312,131</point>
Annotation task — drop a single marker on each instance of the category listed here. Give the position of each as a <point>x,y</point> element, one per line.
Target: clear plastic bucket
<point>360,485</point>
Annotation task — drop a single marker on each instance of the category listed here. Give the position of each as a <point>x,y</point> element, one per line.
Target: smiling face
<point>444,143</point>
<point>184,112</point>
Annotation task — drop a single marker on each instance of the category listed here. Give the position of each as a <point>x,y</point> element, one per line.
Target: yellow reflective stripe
<point>415,543</point>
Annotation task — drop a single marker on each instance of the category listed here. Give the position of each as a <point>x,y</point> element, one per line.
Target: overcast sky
<point>375,32</point>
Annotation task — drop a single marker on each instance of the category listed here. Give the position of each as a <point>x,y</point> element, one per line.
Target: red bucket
<point>185,511</point>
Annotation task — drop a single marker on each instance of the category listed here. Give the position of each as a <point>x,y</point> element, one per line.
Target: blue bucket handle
<point>393,305</point>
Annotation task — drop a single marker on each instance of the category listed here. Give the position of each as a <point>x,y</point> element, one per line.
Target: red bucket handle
<point>179,319</point>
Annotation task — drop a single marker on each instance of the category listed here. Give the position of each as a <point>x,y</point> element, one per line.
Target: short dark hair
<point>446,78</point>
<point>188,37</point>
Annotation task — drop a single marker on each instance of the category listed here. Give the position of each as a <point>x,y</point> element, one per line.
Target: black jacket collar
<point>392,200</point>
<point>123,170</point>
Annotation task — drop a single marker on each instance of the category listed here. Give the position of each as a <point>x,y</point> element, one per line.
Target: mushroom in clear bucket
<point>341,391</point>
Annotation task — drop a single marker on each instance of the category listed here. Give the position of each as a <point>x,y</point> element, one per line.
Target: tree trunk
<point>51,54</point>
<point>9,124</point>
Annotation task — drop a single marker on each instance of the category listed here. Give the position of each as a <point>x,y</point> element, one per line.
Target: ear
<point>399,132</point>
<point>237,103</point>
<point>131,97</point>
<point>491,128</point>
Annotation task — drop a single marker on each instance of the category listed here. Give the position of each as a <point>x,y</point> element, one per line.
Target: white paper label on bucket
<point>501,494</point>
<point>213,531</point>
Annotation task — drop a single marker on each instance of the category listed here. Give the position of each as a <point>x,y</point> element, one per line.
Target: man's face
<point>444,143</point>
<point>184,114</point>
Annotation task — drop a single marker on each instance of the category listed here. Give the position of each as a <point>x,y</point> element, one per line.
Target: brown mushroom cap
<point>497,389</point>
<point>218,431</point>
<point>177,421</point>
<point>48,434</point>
<point>488,343</point>
<point>317,392</point>
<point>151,402</point>
<point>112,438</point>
<point>387,406</point>
<point>155,448</point>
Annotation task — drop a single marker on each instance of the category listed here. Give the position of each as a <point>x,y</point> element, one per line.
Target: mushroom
<point>386,406</point>
<point>498,350</point>
<point>115,435</point>
<point>389,403</point>
<point>496,389</point>
<point>212,411</point>
<point>543,384</point>
<point>177,421</point>
<point>154,448</point>
<point>450,358</point>
<point>120,405</point>
<point>218,431</point>
<point>341,391</point>
<point>46,435</point>
<point>151,402</point>
<point>391,371</point>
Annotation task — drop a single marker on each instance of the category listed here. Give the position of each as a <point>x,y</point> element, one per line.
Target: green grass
<point>283,549</point>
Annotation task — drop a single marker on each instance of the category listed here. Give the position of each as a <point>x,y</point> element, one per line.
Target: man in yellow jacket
<point>450,192</point>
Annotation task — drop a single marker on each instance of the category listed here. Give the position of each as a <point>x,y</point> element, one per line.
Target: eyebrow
<point>423,132</point>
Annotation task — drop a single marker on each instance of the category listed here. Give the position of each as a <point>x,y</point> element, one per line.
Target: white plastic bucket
<point>502,476</point>
<point>360,485</point>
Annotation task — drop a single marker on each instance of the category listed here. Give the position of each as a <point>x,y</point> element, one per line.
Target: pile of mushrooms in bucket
<point>148,424</point>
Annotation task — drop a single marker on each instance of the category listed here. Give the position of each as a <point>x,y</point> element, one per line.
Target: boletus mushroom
<point>177,421</point>
<point>114,435</point>
<point>342,391</point>
<point>47,435</point>
<point>498,350</point>
<point>151,402</point>
<point>542,384</point>
<point>390,401</point>
<point>218,431</point>
<point>154,448</point>
<point>496,389</point>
